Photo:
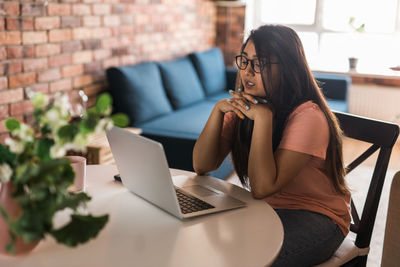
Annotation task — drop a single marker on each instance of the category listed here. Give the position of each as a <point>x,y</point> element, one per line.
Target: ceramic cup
<point>78,164</point>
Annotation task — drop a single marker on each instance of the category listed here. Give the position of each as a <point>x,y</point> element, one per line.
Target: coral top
<point>306,131</point>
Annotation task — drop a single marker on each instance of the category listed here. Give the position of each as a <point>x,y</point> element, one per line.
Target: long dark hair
<point>296,85</point>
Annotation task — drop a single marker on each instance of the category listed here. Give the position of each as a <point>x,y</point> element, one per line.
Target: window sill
<point>380,77</point>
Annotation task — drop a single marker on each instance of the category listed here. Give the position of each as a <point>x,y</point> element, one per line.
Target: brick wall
<point>66,45</point>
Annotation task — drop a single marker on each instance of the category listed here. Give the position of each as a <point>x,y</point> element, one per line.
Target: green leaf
<point>72,200</point>
<point>67,132</point>
<point>42,148</point>
<point>80,229</point>
<point>104,101</point>
<point>12,124</point>
<point>120,120</point>
<point>6,155</point>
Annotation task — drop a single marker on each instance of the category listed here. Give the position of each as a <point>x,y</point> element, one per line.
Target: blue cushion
<point>181,82</point>
<point>218,96</point>
<point>338,105</point>
<point>211,69</point>
<point>334,86</point>
<point>138,92</point>
<point>183,123</point>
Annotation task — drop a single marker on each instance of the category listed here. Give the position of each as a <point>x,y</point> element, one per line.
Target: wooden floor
<point>353,148</point>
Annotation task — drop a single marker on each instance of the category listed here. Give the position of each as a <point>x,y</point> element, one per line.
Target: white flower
<point>15,146</point>
<point>54,120</point>
<point>104,125</point>
<point>81,140</point>
<point>39,100</point>
<point>61,101</point>
<point>24,132</point>
<point>5,173</point>
<point>57,151</point>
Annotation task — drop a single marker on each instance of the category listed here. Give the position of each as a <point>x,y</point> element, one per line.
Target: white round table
<point>140,234</point>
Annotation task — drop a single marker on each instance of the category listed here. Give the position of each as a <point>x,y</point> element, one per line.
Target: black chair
<point>382,136</point>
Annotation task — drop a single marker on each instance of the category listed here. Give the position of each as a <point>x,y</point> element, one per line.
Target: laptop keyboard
<point>190,204</point>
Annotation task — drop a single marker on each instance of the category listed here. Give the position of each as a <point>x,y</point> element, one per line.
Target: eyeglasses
<point>256,65</point>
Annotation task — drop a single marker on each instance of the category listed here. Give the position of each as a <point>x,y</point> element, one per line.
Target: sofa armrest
<point>334,86</point>
<point>231,73</point>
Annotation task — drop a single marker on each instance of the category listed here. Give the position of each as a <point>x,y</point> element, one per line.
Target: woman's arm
<point>211,148</point>
<point>269,172</point>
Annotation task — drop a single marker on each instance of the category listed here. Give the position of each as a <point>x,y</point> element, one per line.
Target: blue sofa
<point>171,101</point>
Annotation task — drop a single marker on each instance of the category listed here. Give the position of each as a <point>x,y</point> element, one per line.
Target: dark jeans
<point>310,238</point>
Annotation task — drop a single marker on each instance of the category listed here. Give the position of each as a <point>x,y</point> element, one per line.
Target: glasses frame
<point>262,65</point>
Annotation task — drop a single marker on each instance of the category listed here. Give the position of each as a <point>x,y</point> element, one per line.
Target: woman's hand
<point>248,105</point>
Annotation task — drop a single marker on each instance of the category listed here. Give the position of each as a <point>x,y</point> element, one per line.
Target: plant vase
<point>14,211</point>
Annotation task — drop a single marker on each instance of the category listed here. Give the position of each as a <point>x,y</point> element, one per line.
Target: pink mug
<point>78,164</point>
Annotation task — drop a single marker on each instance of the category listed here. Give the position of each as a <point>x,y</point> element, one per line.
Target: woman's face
<point>251,80</point>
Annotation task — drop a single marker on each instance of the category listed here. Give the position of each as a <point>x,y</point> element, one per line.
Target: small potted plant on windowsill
<point>353,60</point>
<point>35,174</point>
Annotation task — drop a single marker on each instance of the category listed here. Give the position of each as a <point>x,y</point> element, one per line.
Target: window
<point>328,39</point>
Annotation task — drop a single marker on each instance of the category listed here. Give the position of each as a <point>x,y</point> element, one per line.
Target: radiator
<point>374,101</point>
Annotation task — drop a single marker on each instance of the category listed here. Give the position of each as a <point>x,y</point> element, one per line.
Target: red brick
<point>83,80</point>
<point>94,89</point>
<point>47,23</point>
<point>15,52</point>
<point>99,33</point>
<point>91,21</point>
<point>27,24</point>
<point>101,54</point>
<point>49,75</point>
<point>101,9</point>
<point>4,111</point>
<point>91,44</point>
<point>14,67</point>
<point>3,53</point>
<point>61,85</point>
<point>33,9</point>
<point>71,46</point>
<point>3,130</point>
<point>92,67</point>
<point>60,60</point>
<point>82,57</point>
<point>12,9</point>
<point>29,51</point>
<point>22,80</point>
<point>35,64</point>
<point>60,35</point>
<point>2,26</point>
<point>111,62</point>
<point>3,69</point>
<point>3,83</point>
<point>13,24</point>
<point>70,22</point>
<point>37,37</point>
<point>72,70</point>
<point>111,21</point>
<point>59,9</point>
<point>47,50</point>
<point>11,96</point>
<point>81,33</point>
<point>38,87</point>
<point>81,9</point>
<point>10,38</point>
<point>21,108</point>
<point>3,137</point>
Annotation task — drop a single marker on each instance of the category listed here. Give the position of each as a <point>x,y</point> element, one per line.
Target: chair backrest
<point>382,136</point>
<point>391,244</point>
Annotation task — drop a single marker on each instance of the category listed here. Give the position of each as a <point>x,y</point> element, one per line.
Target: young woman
<point>285,143</point>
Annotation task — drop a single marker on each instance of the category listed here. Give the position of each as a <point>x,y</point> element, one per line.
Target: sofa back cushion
<point>181,82</point>
<point>211,69</point>
<point>138,91</point>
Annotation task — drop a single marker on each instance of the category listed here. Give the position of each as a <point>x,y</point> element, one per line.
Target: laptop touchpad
<point>199,190</point>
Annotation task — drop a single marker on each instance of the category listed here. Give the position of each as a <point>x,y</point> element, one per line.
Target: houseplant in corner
<point>36,175</point>
<point>356,30</point>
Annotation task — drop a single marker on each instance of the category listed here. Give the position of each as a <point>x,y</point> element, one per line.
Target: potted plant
<point>353,60</point>
<point>36,175</point>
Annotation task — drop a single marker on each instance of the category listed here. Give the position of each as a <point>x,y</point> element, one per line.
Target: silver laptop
<point>144,171</point>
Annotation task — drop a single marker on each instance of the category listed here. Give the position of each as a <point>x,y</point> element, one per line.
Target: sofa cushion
<point>211,69</point>
<point>138,91</point>
<point>181,82</point>
<point>334,86</point>
<point>183,123</point>
<point>218,96</point>
<point>338,105</point>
